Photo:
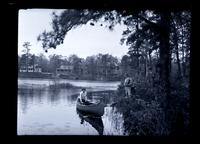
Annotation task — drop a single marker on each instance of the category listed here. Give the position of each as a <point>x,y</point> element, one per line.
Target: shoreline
<point>25,78</point>
<point>65,83</point>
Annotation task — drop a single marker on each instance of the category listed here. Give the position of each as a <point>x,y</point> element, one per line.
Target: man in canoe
<point>83,97</point>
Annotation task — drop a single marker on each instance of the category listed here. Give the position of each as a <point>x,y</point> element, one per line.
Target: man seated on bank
<point>83,97</point>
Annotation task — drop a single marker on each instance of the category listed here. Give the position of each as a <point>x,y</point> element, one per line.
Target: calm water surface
<point>42,111</point>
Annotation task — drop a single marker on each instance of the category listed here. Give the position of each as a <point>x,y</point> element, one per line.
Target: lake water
<point>94,85</point>
<point>43,111</point>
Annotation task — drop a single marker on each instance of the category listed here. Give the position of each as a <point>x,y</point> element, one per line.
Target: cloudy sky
<point>83,41</point>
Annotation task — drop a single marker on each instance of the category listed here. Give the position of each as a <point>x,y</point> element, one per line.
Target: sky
<point>83,41</point>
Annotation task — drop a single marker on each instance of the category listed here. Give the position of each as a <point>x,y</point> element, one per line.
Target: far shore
<point>68,79</point>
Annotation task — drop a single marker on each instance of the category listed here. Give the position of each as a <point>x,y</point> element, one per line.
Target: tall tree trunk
<point>27,61</point>
<point>178,62</point>
<point>183,49</point>
<point>150,61</point>
<point>177,53</point>
<point>187,61</point>
<point>165,50</point>
<point>146,64</point>
<point>157,53</point>
<point>150,69</point>
<point>146,68</point>
<point>183,53</point>
<point>165,64</point>
<point>33,58</point>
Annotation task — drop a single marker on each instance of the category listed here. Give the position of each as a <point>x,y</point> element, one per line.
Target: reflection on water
<point>53,112</point>
<point>95,122</point>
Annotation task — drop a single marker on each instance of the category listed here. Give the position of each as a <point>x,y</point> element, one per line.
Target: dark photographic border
<point>11,83</point>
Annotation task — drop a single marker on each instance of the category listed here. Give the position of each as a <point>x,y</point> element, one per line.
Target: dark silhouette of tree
<point>42,61</point>
<point>91,67</point>
<point>125,64</point>
<point>76,62</point>
<point>54,62</point>
<point>26,45</point>
<point>22,61</point>
<point>32,61</point>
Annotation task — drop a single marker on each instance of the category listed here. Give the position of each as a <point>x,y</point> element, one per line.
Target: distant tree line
<point>96,67</point>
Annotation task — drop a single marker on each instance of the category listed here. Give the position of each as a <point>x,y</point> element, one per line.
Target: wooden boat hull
<point>94,109</point>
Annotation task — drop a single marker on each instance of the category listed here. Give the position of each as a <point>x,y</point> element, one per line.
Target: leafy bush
<point>145,114</point>
<point>141,117</point>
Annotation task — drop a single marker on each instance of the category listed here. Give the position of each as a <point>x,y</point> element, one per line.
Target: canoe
<point>95,122</point>
<point>94,108</point>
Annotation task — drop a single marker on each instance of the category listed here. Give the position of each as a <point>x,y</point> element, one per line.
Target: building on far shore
<point>64,70</point>
<point>31,68</point>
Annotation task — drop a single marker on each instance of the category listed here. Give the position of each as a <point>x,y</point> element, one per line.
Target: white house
<point>31,68</point>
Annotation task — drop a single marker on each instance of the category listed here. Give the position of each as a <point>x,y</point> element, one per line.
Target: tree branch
<point>154,25</point>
